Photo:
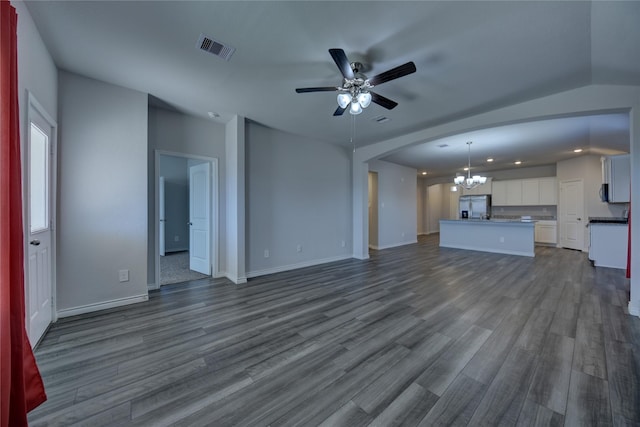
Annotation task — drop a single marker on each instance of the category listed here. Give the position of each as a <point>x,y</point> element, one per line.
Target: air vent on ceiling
<point>380,119</point>
<point>215,47</point>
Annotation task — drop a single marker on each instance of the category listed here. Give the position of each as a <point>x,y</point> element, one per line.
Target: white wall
<point>589,169</point>
<point>397,209</point>
<point>235,160</point>
<point>174,132</point>
<point>102,200</point>
<point>298,193</point>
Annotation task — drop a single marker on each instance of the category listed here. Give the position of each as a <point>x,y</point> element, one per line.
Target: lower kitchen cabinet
<point>546,232</point>
<point>608,245</point>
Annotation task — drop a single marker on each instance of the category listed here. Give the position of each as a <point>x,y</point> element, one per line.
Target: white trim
<point>393,245</point>
<point>34,105</point>
<point>215,203</point>
<point>634,310</point>
<point>237,280</point>
<point>152,286</point>
<point>89,308</point>
<point>310,263</point>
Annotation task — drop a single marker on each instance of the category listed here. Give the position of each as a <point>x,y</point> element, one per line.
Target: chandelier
<point>470,182</point>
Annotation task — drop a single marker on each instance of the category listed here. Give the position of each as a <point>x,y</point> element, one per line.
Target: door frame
<point>214,214</point>
<point>34,105</point>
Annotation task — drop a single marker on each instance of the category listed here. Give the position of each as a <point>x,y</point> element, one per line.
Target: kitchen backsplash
<point>536,212</point>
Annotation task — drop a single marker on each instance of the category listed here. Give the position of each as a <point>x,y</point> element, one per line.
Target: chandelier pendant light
<point>470,182</point>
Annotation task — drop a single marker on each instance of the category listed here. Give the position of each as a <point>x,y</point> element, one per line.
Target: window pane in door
<point>38,180</point>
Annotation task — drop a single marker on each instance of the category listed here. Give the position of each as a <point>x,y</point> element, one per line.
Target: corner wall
<point>298,194</point>
<point>397,204</point>
<point>102,201</point>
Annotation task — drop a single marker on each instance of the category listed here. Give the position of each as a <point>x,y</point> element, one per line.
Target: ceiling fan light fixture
<point>344,99</point>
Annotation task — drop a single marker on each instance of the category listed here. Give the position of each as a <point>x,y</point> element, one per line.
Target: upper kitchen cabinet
<point>525,192</point>
<point>616,171</point>
<point>548,191</point>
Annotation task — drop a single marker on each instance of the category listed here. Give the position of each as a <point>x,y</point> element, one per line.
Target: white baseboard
<point>310,263</point>
<point>237,280</point>
<point>89,308</point>
<point>634,309</point>
<point>152,286</point>
<point>395,245</point>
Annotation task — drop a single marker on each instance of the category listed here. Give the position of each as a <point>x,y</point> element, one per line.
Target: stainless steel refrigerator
<point>475,207</point>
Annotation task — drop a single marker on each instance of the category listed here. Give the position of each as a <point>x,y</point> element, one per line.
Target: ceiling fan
<point>356,87</point>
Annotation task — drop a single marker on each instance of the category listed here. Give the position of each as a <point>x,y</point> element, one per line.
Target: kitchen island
<point>499,236</point>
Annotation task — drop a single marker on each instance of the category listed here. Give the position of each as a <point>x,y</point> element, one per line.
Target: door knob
<point>35,242</point>
<point>189,223</point>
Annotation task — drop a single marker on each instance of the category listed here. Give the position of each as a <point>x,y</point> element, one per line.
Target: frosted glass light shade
<point>355,108</point>
<point>344,99</point>
<point>364,99</point>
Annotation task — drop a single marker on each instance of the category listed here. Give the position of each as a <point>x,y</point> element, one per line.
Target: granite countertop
<point>608,220</point>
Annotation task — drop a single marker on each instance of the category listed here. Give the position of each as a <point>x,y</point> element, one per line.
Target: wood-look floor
<point>417,335</point>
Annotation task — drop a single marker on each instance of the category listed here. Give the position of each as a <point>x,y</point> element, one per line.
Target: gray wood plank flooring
<point>416,335</point>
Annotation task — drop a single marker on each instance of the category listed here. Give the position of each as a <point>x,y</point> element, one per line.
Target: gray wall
<point>102,205</point>
<point>397,204</point>
<point>179,133</point>
<point>298,193</point>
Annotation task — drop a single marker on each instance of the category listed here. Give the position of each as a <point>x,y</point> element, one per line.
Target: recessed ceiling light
<point>424,173</point>
<point>213,115</point>
<point>490,159</point>
<point>517,162</point>
<point>578,150</point>
<point>465,168</point>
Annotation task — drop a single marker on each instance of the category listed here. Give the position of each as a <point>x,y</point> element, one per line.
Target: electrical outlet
<point>403,234</point>
<point>176,238</point>
<point>299,248</point>
<point>266,253</point>
<point>342,243</point>
<point>501,239</point>
<point>123,275</point>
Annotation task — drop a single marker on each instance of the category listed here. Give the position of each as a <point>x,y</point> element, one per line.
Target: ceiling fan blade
<point>394,73</point>
<point>339,111</point>
<point>383,101</point>
<point>342,62</point>
<point>317,89</point>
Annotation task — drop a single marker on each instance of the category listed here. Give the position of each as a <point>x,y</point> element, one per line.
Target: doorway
<point>40,182</point>
<point>373,210</point>
<point>186,218</point>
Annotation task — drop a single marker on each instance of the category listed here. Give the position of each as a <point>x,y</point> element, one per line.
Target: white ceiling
<point>470,57</point>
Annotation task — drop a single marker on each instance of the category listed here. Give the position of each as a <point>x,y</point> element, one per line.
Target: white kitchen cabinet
<point>499,193</point>
<point>548,191</point>
<point>608,245</point>
<point>530,192</point>
<point>546,232</point>
<point>617,173</point>
<point>514,192</point>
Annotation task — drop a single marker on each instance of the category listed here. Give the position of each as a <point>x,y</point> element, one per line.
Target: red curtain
<point>21,387</point>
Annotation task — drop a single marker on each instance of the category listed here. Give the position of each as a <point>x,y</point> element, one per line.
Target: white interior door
<point>161,232</point>
<point>572,219</point>
<point>200,218</point>
<point>39,283</point>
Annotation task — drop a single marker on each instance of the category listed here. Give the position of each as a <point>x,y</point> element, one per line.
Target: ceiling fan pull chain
<point>353,131</point>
